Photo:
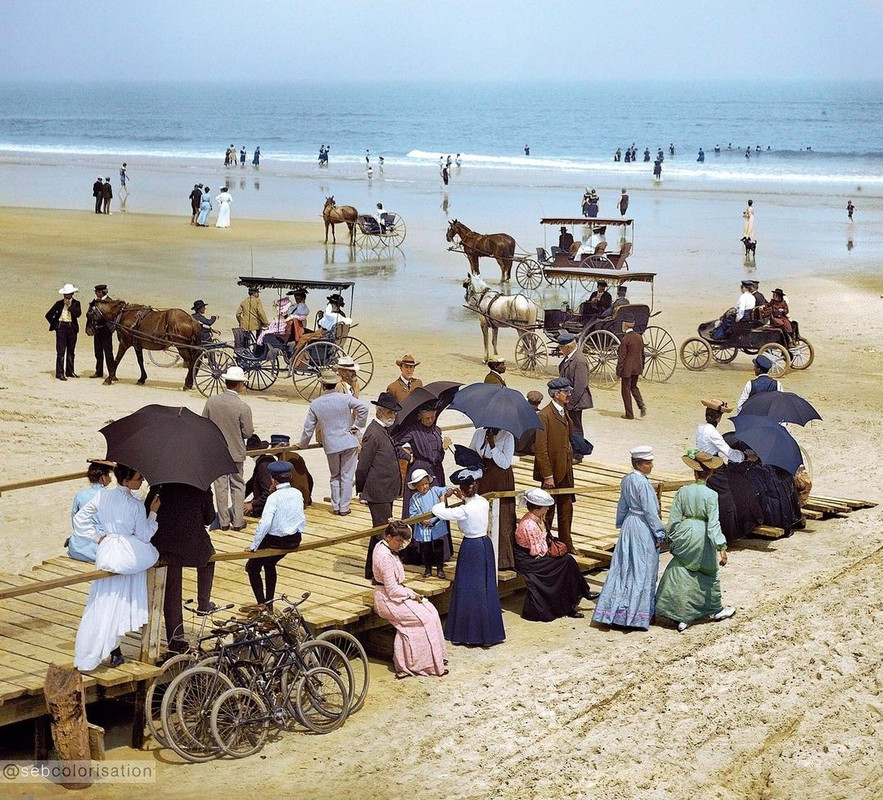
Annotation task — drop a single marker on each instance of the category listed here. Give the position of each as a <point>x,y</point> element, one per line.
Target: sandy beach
<point>783,701</point>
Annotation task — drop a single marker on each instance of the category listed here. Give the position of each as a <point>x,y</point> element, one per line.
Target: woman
<point>554,585</point>
<point>116,521</point>
<point>420,442</point>
<point>778,307</point>
<point>628,598</point>
<point>748,221</point>
<point>205,206</point>
<point>430,535</point>
<point>419,647</point>
<point>224,199</point>
<point>98,475</point>
<point>474,613</point>
<point>256,158</point>
<point>497,449</point>
<point>690,588</point>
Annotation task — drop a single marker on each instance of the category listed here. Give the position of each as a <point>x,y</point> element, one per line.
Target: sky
<point>444,40</point>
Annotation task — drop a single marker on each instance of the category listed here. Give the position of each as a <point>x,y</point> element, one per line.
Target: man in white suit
<point>341,417</point>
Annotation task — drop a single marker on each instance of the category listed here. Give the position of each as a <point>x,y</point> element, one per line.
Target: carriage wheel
<point>529,274</point>
<point>723,354</point>
<point>164,358</point>
<point>695,354</point>
<point>531,355</point>
<point>660,355</point>
<point>209,368</point>
<point>602,351</point>
<point>554,280</point>
<point>366,241</point>
<point>396,234</point>
<point>308,363</point>
<point>802,354</point>
<point>260,374</point>
<point>779,356</point>
<point>358,351</point>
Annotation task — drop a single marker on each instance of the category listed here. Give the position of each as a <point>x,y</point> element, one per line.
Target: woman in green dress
<point>690,588</point>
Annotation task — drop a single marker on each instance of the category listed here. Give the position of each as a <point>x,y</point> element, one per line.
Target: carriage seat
<point>620,260</point>
<point>542,255</point>
<point>243,341</point>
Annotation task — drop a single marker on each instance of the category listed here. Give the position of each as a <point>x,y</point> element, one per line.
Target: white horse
<point>496,310</point>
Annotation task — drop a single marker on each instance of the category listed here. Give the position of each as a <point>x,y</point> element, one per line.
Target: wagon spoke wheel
<point>723,354</point>
<point>779,356</point>
<point>554,280</point>
<point>164,358</point>
<point>529,274</point>
<point>309,362</point>
<point>660,355</point>
<point>531,355</point>
<point>695,354</point>
<point>396,232</point>
<point>260,374</point>
<point>363,240</point>
<point>208,370</point>
<point>802,354</point>
<point>601,348</point>
<point>359,352</point>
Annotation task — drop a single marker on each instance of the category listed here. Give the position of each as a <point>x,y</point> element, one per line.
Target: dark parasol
<point>770,440</point>
<point>440,392</point>
<point>490,405</point>
<point>780,406</point>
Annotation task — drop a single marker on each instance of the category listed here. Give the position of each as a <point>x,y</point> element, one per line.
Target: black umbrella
<point>780,406</point>
<point>770,440</point>
<point>490,405</point>
<point>170,445</point>
<point>441,392</point>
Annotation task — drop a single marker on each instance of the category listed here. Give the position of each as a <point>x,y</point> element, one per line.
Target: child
<point>430,534</point>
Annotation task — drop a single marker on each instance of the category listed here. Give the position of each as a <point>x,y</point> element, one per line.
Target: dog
<point>750,246</point>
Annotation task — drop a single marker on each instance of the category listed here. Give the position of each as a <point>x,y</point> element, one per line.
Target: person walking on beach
<point>224,199</point>
<point>205,207</point>
<point>657,170</point>
<point>97,193</point>
<point>98,327</point>
<point>256,158</point>
<point>850,209</point>
<point>195,201</point>
<point>445,175</point>
<point>242,155</point>
<point>124,179</point>
<point>623,203</point>
<point>106,195</point>
<point>62,319</point>
<point>629,366</point>
<point>748,221</point>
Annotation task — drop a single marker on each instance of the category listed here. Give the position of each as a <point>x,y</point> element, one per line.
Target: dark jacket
<point>54,314</point>
<point>630,360</point>
<point>183,515</point>
<point>260,484</point>
<point>97,189</point>
<point>378,477</point>
<point>576,370</point>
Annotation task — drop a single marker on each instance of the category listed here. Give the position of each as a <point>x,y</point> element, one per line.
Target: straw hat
<point>418,475</point>
<point>718,405</point>
<point>346,362</point>
<point>407,360</point>
<point>68,288</point>
<point>234,374</point>
<point>536,497</point>
<point>328,377</point>
<point>699,461</point>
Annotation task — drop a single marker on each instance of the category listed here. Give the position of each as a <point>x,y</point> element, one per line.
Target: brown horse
<point>332,214</point>
<point>500,246</point>
<point>145,328</point>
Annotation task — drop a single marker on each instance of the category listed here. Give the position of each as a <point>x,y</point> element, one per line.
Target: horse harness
<point>480,296</point>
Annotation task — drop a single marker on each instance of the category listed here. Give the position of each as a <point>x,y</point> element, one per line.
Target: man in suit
<point>406,383</point>
<point>62,319</point>
<point>341,417</point>
<point>575,368</point>
<point>629,366</point>
<point>195,200</point>
<point>99,328</point>
<point>98,194</point>
<point>233,416</point>
<point>553,455</point>
<point>497,367</point>
<point>106,195</point>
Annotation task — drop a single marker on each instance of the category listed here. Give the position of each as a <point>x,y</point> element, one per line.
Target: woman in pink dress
<point>419,647</point>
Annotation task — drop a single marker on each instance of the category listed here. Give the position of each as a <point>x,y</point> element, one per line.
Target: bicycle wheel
<point>352,648</point>
<point>321,700</point>
<point>239,722</point>
<point>157,690</point>
<point>319,653</point>
<point>186,709</point>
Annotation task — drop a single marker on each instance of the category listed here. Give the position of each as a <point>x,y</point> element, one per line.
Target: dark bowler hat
<point>254,442</point>
<point>101,287</point>
<point>560,384</point>
<point>279,468</point>
<point>197,305</point>
<point>463,477</point>
<point>602,283</point>
<point>779,292</point>
<point>387,401</point>
<point>336,299</point>
<point>279,439</point>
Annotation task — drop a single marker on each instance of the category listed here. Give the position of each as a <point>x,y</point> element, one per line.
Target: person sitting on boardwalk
<point>419,647</point>
<point>98,475</point>
<point>554,583</point>
<point>260,484</point>
<point>690,587</point>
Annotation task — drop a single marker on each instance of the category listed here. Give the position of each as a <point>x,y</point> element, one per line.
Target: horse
<point>500,246</point>
<point>495,309</point>
<point>332,214</point>
<point>145,328</point>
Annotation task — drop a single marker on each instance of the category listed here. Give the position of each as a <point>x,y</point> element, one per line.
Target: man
<point>205,323</point>
<point>378,477</point>
<point>62,319</point>
<point>553,457</point>
<point>575,368</point>
<point>260,484</point>
<point>621,300</point>
<point>242,156</point>
<point>629,366</point>
<point>341,416</point>
<point>565,241</point>
<point>251,315</point>
<point>233,416</point>
<point>761,382</point>
<point>599,301</point>
<point>98,193</point>
<point>497,367</point>
<point>124,178</point>
<point>106,195</point>
<point>746,301</point>
<point>99,327</point>
<point>406,383</point>
<point>301,479</point>
<point>195,200</point>
<point>525,444</point>
<point>623,203</point>
<point>759,299</point>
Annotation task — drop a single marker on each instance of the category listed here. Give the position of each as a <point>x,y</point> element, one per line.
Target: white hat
<point>642,453</point>
<point>418,475</point>
<point>68,288</point>
<point>536,497</point>
<point>346,362</point>
<point>234,374</point>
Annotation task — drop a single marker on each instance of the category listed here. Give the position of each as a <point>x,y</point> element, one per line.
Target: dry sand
<point>783,701</point>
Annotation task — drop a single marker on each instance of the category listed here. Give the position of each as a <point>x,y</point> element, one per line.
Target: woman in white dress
<point>748,221</point>
<point>223,200</point>
<point>117,521</point>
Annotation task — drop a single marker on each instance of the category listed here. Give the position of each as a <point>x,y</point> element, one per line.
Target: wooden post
<point>495,534</point>
<point>139,719</point>
<point>42,738</point>
<point>96,742</point>
<point>66,702</point>
<point>151,633</point>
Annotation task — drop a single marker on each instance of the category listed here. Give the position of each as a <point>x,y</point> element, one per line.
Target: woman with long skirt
<point>497,449</point>
<point>419,647</point>
<point>205,207</point>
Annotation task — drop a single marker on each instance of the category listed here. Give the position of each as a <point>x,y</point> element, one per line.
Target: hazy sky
<point>449,40</point>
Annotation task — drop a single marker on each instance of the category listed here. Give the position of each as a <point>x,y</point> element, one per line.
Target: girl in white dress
<point>223,200</point>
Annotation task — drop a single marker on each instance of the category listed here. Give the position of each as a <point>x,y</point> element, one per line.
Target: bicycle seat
<point>257,608</point>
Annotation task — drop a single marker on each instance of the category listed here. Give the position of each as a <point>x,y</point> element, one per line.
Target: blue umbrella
<point>490,405</point>
<point>770,440</point>
<point>780,406</point>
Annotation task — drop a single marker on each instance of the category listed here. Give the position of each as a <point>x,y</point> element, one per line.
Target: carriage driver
<point>205,323</point>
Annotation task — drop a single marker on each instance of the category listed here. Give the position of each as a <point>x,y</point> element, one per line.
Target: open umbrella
<point>780,406</point>
<point>772,442</point>
<point>440,391</point>
<point>490,405</point>
<point>170,445</point>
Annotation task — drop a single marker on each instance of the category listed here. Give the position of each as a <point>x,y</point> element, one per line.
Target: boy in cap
<point>62,318</point>
<point>496,367</point>
<point>761,382</point>
<point>97,326</point>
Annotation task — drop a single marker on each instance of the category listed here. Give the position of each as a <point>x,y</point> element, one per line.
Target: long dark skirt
<point>474,615</point>
<point>502,480</point>
<point>739,509</point>
<point>554,585</point>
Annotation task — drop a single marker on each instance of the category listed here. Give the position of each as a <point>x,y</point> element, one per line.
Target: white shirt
<point>471,517</point>
<point>745,304</point>
<point>112,511</point>
<point>283,515</point>
<point>331,317</point>
<point>746,393</point>
<point>501,453</point>
<point>709,440</point>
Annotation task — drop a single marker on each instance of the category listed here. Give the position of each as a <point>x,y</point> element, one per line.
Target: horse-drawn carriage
<point>262,362</point>
<point>383,229</point>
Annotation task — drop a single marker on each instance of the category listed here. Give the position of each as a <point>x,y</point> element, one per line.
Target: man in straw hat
<point>233,416</point>
<point>708,439</point>
<point>406,383</point>
<point>496,367</point>
<point>629,366</point>
<point>341,417</point>
<point>62,318</point>
<point>761,382</point>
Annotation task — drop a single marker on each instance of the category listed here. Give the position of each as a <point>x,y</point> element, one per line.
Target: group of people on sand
<point>201,206</point>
